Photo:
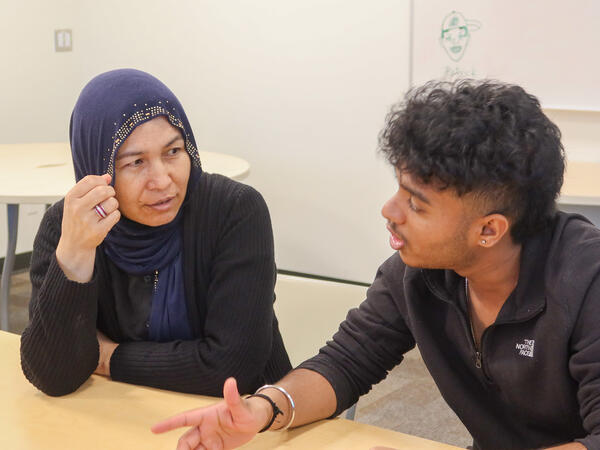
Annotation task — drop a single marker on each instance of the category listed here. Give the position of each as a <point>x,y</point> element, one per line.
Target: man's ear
<point>492,229</point>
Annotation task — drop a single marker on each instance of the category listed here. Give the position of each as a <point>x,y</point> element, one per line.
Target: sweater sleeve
<point>368,344</point>
<point>238,329</point>
<point>59,348</point>
<point>584,364</point>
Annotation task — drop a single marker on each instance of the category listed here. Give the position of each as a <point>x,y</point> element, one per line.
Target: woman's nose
<point>159,177</point>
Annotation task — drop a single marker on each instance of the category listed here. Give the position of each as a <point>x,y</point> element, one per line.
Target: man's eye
<point>411,204</point>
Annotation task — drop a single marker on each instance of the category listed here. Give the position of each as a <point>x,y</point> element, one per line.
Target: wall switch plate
<point>63,40</point>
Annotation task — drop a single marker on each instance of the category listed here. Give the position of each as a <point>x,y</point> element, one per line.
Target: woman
<point>150,271</point>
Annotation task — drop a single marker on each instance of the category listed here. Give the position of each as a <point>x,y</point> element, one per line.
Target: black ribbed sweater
<point>229,276</point>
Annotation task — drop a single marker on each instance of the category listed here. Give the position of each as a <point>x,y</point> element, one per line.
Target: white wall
<point>37,92</point>
<point>580,133</point>
<point>37,83</point>
<point>298,88</point>
<point>581,138</point>
<point>538,44</point>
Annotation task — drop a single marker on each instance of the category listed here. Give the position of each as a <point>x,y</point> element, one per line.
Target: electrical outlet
<point>63,40</point>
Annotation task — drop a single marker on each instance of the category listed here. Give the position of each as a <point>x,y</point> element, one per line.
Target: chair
<point>309,313</point>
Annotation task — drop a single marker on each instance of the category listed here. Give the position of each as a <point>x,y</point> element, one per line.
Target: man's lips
<point>396,242</point>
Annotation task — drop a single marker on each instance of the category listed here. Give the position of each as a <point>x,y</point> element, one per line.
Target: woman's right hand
<point>222,426</point>
<point>82,227</point>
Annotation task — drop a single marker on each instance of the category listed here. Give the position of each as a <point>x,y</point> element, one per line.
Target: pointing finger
<point>186,419</point>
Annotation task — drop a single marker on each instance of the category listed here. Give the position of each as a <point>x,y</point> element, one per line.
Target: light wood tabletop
<point>108,415</point>
<point>582,184</point>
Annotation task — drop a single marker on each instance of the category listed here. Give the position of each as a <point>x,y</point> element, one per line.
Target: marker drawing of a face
<point>456,34</point>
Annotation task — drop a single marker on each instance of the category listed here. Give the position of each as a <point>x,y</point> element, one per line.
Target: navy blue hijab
<point>109,108</point>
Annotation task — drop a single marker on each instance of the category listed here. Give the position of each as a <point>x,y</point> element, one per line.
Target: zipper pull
<point>478,359</point>
<point>155,280</point>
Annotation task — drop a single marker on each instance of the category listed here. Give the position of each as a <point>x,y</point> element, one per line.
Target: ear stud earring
<point>483,241</point>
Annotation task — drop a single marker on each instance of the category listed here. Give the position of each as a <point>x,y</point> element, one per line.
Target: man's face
<point>430,228</point>
<point>152,170</point>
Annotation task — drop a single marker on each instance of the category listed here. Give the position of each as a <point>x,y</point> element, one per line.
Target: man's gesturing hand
<point>222,426</point>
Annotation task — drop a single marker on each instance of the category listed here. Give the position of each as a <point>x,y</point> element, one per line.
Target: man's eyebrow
<point>134,152</point>
<point>417,194</point>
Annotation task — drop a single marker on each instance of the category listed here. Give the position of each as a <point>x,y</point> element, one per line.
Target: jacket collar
<point>529,297</point>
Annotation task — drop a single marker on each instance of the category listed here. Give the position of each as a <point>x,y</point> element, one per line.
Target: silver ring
<point>100,211</point>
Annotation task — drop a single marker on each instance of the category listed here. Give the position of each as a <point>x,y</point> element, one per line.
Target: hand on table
<point>83,229</point>
<point>107,347</point>
<point>222,426</point>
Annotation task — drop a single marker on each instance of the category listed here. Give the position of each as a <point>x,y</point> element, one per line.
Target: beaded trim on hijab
<point>142,116</point>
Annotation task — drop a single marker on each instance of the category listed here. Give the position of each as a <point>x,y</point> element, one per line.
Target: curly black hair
<point>487,138</point>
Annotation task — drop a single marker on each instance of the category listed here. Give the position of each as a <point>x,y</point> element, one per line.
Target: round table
<point>42,173</point>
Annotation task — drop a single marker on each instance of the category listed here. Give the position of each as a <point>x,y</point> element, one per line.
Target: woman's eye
<point>174,151</point>
<point>136,163</point>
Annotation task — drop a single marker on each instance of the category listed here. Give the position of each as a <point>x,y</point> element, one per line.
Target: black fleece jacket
<point>229,277</point>
<point>539,381</point>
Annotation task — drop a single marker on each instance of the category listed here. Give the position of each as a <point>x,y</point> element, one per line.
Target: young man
<point>500,292</point>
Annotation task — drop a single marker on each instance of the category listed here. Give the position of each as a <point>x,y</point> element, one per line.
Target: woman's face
<point>152,170</point>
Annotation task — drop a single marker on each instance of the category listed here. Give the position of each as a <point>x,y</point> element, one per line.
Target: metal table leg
<point>9,262</point>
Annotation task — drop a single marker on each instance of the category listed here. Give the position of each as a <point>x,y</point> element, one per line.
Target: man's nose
<point>392,211</point>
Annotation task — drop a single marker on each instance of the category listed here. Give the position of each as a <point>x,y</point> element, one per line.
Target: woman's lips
<point>162,205</point>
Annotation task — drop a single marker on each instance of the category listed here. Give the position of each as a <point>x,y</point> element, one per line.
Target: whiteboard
<point>549,47</point>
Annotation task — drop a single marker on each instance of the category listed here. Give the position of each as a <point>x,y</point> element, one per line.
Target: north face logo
<point>526,348</point>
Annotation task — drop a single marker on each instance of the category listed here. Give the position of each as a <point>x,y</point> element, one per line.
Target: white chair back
<point>309,312</point>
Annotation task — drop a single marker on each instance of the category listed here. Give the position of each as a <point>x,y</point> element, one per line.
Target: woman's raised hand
<point>90,211</point>
<point>222,426</point>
